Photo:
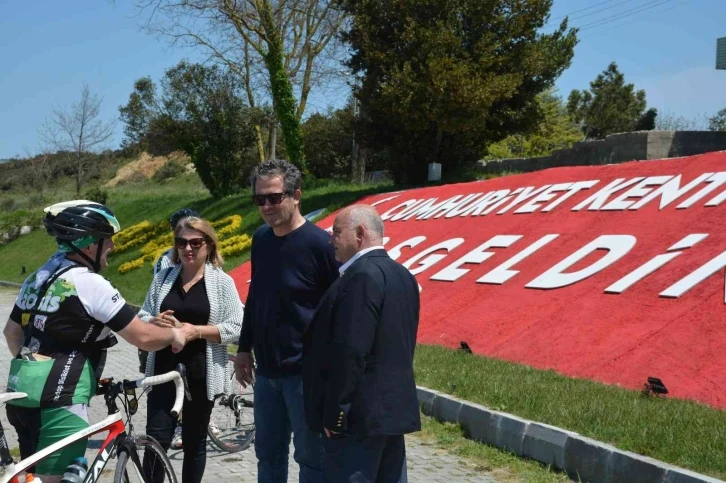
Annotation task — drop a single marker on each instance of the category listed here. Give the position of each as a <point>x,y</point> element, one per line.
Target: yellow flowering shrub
<point>139,235</point>
<point>234,245</point>
<point>132,265</point>
<point>129,233</point>
<point>162,242</point>
<point>230,225</point>
<point>156,239</point>
<point>151,257</point>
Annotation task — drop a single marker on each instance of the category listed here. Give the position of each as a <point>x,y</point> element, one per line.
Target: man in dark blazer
<point>358,379</point>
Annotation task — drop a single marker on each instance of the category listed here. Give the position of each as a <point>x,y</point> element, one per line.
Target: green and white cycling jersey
<point>72,324</point>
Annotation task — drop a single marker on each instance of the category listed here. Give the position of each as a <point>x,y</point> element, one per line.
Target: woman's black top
<point>191,307</point>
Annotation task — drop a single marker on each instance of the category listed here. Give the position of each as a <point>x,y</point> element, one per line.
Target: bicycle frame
<point>113,423</point>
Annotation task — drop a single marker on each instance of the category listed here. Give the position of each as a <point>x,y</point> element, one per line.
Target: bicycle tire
<point>143,443</point>
<point>238,436</point>
<point>241,441</point>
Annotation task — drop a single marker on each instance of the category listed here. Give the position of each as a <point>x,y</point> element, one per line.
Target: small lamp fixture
<point>654,387</point>
<point>464,347</point>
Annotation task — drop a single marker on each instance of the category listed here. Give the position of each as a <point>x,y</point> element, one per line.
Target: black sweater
<point>290,274</point>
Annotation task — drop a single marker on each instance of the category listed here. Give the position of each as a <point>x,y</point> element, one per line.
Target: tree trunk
<point>260,143</point>
<point>437,151</point>
<point>79,169</point>
<point>273,142</point>
<point>251,100</point>
<point>284,100</point>
<point>358,164</point>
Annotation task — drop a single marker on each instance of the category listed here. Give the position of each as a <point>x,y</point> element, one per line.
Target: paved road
<point>424,462</point>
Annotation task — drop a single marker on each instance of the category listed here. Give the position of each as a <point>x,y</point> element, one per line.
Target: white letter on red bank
<point>431,260</point>
<point>654,264</point>
<point>503,273</point>
<point>692,279</point>
<point>597,200</point>
<point>395,252</point>
<point>405,205</point>
<point>617,246</point>
<point>478,255</point>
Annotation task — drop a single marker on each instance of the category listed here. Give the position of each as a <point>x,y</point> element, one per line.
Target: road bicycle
<point>233,415</point>
<point>120,444</point>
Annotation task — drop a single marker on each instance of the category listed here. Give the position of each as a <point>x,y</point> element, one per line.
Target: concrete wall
<point>616,148</point>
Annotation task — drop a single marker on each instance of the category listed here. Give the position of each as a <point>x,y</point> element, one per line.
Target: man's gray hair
<point>288,172</point>
<point>367,216</point>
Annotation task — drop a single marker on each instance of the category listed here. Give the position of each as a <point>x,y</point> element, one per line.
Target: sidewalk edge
<point>582,458</point>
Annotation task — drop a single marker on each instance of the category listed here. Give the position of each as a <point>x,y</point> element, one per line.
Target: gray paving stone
<point>425,399</point>
<point>478,423</point>
<point>446,409</point>
<point>510,433</point>
<point>587,460</point>
<point>629,467</point>
<point>679,475</point>
<point>546,444</point>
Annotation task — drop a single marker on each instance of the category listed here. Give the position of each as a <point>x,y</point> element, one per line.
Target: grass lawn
<point>679,432</point>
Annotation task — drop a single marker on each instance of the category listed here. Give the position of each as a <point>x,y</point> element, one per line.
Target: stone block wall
<point>616,148</point>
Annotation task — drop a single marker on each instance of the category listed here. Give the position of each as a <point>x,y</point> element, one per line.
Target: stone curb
<point>583,459</point>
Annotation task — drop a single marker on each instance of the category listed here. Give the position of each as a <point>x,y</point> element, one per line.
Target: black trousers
<point>195,420</point>
<point>351,458</point>
<point>26,422</point>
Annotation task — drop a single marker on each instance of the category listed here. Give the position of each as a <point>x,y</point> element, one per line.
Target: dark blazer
<point>358,353</point>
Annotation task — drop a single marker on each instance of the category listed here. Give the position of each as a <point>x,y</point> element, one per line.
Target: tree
<point>610,106</point>
<point>718,122</point>
<point>282,46</point>
<point>138,115</point>
<point>441,79</point>
<point>78,130</point>
<point>145,126</point>
<point>329,142</point>
<point>200,110</point>
<point>670,121</point>
<point>555,131</point>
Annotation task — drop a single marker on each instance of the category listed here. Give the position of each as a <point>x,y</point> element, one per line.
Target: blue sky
<point>49,49</point>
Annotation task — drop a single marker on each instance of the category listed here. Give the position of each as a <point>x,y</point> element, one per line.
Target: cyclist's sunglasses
<point>273,198</point>
<point>194,243</point>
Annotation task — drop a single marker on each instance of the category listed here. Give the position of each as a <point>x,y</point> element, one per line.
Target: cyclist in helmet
<point>164,260</point>
<point>60,328</point>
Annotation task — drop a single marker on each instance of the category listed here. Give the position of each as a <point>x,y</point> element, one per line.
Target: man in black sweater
<point>293,264</point>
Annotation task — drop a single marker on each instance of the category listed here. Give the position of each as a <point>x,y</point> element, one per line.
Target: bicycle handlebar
<point>162,379</point>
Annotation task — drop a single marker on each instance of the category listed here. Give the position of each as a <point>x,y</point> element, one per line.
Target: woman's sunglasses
<point>194,243</point>
<point>273,198</point>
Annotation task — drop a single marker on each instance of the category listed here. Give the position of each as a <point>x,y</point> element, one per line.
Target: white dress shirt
<point>355,257</point>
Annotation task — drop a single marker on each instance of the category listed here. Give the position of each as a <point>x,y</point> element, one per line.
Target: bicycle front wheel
<point>232,423</point>
<point>155,464</point>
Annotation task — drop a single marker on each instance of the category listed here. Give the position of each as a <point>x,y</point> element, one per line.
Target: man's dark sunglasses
<point>273,198</point>
<point>194,243</point>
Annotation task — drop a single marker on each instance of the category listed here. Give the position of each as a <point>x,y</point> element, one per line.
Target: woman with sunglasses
<point>198,296</point>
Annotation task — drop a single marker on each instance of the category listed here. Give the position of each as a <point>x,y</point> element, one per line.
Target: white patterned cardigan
<point>225,311</point>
